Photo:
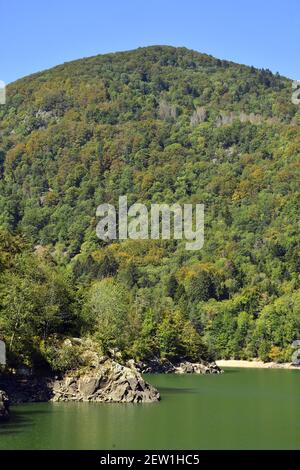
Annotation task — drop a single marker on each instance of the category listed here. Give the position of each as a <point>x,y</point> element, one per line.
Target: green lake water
<point>241,409</point>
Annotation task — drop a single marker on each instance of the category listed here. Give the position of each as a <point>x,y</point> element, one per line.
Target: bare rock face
<point>108,382</point>
<point>4,406</point>
<point>198,368</point>
<point>164,366</point>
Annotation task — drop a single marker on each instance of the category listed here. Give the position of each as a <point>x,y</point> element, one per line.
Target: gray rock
<point>197,368</point>
<point>164,366</point>
<point>110,382</point>
<point>88,385</point>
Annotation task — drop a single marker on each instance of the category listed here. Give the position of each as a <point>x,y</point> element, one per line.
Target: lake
<point>241,409</point>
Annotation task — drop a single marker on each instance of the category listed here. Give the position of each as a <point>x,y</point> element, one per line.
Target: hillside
<point>160,124</point>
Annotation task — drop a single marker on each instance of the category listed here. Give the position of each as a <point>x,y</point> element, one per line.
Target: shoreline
<point>255,364</point>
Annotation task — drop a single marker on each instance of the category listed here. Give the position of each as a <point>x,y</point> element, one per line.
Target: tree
<point>129,274</point>
<point>36,301</point>
<point>17,310</point>
<point>201,286</point>
<point>106,309</point>
<point>172,286</point>
<point>146,345</point>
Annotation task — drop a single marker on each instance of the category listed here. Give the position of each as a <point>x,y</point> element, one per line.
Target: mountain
<point>159,124</point>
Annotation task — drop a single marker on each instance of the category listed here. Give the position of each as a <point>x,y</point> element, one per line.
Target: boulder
<point>88,385</point>
<point>164,366</point>
<point>214,368</point>
<point>4,406</point>
<point>198,368</point>
<point>109,382</point>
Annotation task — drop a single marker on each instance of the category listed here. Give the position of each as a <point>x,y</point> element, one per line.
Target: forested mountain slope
<point>160,124</point>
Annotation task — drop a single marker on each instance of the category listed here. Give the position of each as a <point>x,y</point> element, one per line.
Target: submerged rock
<point>109,382</point>
<point>4,406</point>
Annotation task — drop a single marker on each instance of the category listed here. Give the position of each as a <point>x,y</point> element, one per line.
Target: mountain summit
<point>164,124</point>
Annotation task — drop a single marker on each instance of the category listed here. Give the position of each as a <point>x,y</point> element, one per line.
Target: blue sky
<point>36,34</point>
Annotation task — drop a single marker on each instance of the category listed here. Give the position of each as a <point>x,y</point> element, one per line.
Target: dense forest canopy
<point>158,124</point>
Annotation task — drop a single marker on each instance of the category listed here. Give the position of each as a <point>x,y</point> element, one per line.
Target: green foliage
<point>36,300</point>
<point>276,326</point>
<point>106,313</point>
<point>159,124</point>
<point>61,356</point>
<point>172,286</point>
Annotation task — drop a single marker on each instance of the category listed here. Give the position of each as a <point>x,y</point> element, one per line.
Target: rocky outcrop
<point>4,406</point>
<point>164,366</point>
<point>105,380</point>
<point>198,368</point>
<point>108,382</point>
